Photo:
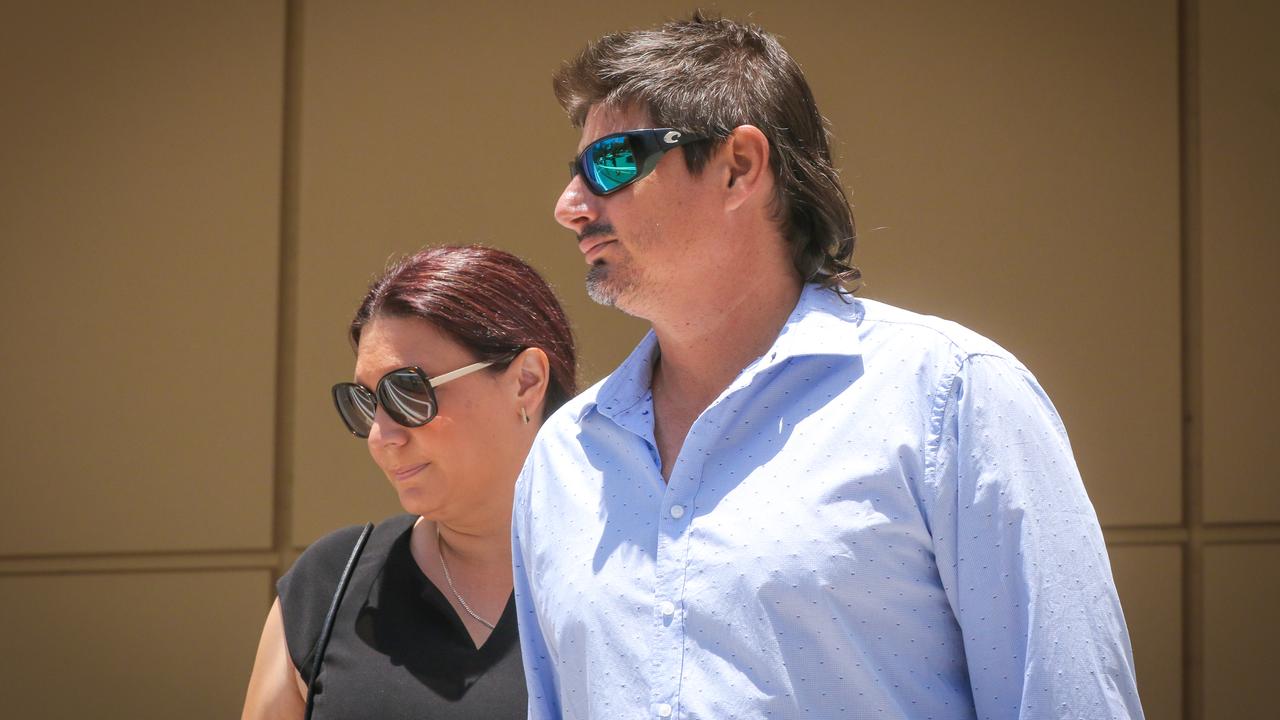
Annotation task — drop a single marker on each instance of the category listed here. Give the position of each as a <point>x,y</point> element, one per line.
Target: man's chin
<point>600,287</point>
<point>614,287</point>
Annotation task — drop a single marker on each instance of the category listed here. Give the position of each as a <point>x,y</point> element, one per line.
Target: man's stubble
<point>603,285</point>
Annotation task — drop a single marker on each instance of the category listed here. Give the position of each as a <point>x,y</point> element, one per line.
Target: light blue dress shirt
<point>879,518</point>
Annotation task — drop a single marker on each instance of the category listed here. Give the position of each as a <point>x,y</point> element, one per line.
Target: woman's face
<point>460,467</point>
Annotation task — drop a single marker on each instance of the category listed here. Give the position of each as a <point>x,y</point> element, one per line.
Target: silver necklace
<point>454,590</point>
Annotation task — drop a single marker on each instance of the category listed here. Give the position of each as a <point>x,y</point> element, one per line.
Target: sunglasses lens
<point>356,407</point>
<point>407,398</point>
<point>610,163</point>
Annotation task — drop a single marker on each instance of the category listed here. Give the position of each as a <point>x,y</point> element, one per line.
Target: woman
<point>460,354</point>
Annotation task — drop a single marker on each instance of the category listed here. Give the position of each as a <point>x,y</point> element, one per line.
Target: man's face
<point>639,243</point>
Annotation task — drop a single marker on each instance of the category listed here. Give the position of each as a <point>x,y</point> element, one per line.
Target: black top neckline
<point>435,597</point>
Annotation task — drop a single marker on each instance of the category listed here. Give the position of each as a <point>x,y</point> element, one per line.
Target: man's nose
<point>577,206</point>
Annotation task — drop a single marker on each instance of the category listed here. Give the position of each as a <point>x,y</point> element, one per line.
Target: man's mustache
<point>594,229</point>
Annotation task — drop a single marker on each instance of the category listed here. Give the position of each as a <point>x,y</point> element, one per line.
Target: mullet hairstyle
<point>709,75</point>
<point>489,301</point>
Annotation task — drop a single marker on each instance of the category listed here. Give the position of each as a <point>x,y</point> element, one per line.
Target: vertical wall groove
<point>1192,365</point>
<point>287,304</point>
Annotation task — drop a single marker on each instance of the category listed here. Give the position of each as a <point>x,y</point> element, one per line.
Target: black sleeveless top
<point>398,649</point>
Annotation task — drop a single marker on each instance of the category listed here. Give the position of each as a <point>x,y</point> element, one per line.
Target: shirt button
<point>664,710</point>
<point>667,607</point>
<point>677,511</point>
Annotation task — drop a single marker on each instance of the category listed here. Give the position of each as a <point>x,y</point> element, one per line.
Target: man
<point>787,502</point>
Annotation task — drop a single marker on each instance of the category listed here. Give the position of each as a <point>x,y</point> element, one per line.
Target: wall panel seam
<point>1191,298</point>
<point>117,566</point>
<point>287,310</point>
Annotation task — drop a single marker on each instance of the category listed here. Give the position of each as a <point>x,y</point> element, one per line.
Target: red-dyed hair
<point>489,301</point>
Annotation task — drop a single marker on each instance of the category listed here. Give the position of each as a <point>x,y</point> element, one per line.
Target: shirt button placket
<point>670,632</point>
<point>671,570</point>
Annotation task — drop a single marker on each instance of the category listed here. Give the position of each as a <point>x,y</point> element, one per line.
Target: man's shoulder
<point>887,327</point>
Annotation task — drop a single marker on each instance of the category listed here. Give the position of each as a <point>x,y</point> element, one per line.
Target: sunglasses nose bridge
<point>384,431</point>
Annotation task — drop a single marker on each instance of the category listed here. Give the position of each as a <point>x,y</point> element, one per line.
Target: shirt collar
<point>627,385</point>
<point>822,323</point>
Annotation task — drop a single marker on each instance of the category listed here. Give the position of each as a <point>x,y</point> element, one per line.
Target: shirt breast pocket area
<point>839,546</point>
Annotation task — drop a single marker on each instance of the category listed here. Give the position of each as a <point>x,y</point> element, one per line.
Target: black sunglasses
<point>615,161</point>
<point>407,394</point>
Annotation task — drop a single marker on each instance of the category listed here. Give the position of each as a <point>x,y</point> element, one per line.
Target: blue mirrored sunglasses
<point>615,161</point>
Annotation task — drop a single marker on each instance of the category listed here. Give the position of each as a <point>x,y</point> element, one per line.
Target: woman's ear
<point>530,373</point>
<point>746,157</point>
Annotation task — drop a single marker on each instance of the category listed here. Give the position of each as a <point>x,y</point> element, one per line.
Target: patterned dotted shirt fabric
<point>879,518</point>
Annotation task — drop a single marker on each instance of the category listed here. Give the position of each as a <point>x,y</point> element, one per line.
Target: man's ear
<point>530,374</point>
<point>746,158</point>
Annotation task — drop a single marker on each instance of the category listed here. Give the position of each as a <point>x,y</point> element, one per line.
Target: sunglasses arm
<point>460,372</point>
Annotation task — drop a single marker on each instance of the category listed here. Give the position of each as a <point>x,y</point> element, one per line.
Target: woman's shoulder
<point>306,590</point>
<point>329,545</point>
<point>324,560</point>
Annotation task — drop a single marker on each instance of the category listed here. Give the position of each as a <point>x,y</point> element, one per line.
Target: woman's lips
<point>407,472</point>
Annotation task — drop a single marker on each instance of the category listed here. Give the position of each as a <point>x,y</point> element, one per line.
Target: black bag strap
<point>323,641</point>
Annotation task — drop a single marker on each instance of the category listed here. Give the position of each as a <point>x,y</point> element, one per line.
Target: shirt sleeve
<point>539,667</point>
<point>1021,554</point>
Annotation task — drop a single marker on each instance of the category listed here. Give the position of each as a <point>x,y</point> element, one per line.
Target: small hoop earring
<point>524,415</point>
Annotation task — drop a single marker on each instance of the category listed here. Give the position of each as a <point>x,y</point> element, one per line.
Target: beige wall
<point>193,196</point>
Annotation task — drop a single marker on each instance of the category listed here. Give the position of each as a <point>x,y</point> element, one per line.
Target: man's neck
<point>706,346</point>
<point>704,350</point>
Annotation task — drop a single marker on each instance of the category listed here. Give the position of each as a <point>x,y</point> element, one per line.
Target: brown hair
<point>708,76</point>
<point>489,301</point>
